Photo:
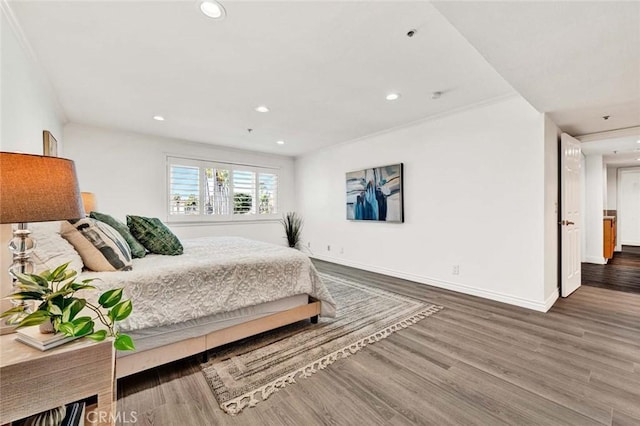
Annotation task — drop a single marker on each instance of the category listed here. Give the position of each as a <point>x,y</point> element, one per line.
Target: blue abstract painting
<point>375,194</point>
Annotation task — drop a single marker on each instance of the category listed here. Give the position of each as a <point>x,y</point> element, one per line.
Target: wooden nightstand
<point>32,381</point>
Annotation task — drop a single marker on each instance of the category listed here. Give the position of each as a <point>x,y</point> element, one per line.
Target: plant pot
<point>47,327</point>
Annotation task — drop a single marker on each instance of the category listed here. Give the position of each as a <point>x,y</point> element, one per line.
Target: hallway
<point>622,273</point>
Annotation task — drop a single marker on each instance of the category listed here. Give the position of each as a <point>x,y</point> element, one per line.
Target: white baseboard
<point>629,243</point>
<point>540,306</point>
<point>551,300</point>
<point>595,259</point>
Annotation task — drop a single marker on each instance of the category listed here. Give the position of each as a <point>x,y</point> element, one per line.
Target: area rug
<point>247,372</point>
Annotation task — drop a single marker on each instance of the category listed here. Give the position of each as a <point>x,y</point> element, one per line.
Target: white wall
<point>594,209</point>
<point>474,190</point>
<point>127,173</point>
<point>612,188</point>
<point>551,150</point>
<point>27,107</point>
<point>27,104</point>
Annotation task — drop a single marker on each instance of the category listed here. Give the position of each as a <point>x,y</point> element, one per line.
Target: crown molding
<point>16,28</point>
<point>610,134</point>
<point>432,117</point>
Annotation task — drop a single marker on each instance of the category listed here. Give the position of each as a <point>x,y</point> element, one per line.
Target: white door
<point>629,206</point>
<point>571,220</point>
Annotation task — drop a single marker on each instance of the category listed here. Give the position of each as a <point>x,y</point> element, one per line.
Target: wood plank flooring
<point>622,273</point>
<point>476,362</point>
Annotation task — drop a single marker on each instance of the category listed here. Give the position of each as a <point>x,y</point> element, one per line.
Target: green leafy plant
<point>292,223</point>
<point>56,291</point>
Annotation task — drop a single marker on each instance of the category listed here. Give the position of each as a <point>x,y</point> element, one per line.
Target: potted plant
<point>59,305</point>
<point>292,227</point>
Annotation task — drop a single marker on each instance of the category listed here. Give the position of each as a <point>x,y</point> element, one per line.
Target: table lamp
<point>35,188</point>
<point>89,202</point>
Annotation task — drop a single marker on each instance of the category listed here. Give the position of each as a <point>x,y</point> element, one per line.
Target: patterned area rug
<point>244,373</point>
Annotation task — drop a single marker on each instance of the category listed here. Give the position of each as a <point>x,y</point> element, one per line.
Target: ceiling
<point>616,152</point>
<point>577,61</point>
<point>324,68</point>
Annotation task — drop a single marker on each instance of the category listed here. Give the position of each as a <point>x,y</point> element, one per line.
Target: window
<point>267,191</point>
<point>244,191</point>
<point>207,191</point>
<point>185,190</point>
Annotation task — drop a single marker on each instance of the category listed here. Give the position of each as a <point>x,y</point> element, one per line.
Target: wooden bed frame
<point>143,360</point>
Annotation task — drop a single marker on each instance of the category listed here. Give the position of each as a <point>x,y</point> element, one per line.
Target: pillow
<point>51,249</point>
<point>154,235</point>
<point>137,249</point>
<point>101,247</point>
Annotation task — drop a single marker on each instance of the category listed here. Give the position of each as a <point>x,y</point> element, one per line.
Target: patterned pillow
<point>154,235</point>
<point>51,249</point>
<point>137,249</point>
<point>101,247</point>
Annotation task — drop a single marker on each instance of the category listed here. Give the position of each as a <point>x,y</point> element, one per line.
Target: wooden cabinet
<point>609,236</point>
<point>35,381</point>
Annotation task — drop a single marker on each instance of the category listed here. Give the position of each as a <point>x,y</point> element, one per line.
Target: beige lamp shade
<point>34,188</point>
<point>89,202</point>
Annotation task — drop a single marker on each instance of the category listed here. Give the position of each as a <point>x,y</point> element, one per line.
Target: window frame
<point>200,218</point>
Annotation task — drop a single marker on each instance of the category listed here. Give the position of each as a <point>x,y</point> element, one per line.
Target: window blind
<point>204,190</point>
<point>244,191</point>
<point>268,192</point>
<point>184,190</point>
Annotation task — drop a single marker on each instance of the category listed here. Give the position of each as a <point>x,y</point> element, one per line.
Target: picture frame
<point>49,144</point>
<point>376,194</point>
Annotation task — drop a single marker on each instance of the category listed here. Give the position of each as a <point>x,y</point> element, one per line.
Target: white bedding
<point>213,275</point>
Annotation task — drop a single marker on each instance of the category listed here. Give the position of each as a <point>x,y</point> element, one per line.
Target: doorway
<point>612,235</point>
<point>621,272</point>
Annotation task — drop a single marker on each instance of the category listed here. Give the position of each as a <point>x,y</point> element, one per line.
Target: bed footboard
<point>143,360</point>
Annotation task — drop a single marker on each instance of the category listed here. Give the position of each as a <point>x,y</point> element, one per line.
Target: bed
<point>220,290</point>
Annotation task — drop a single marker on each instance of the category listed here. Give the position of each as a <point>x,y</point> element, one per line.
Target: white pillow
<point>51,249</point>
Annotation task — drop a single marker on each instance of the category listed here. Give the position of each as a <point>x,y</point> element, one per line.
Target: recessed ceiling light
<point>213,9</point>
<point>638,141</point>
<point>262,108</point>
<point>158,118</point>
<point>280,142</point>
<point>392,96</point>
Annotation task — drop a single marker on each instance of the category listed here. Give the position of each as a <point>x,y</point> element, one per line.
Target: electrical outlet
<point>328,248</point>
<point>309,244</point>
<point>341,250</point>
<point>456,270</point>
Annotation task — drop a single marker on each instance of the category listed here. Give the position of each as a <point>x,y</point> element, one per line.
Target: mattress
<point>214,275</point>
<point>150,338</point>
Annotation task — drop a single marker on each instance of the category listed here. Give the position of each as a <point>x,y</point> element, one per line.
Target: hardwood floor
<point>476,362</point>
<point>622,273</point>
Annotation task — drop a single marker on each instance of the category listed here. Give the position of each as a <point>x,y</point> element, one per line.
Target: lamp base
<point>21,245</point>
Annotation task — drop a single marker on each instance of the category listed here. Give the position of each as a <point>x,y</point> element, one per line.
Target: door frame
<point>619,218</point>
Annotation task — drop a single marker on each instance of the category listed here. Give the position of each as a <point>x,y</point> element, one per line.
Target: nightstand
<point>32,381</point>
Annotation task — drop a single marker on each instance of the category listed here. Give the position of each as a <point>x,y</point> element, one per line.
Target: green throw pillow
<point>154,235</point>
<point>137,249</point>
